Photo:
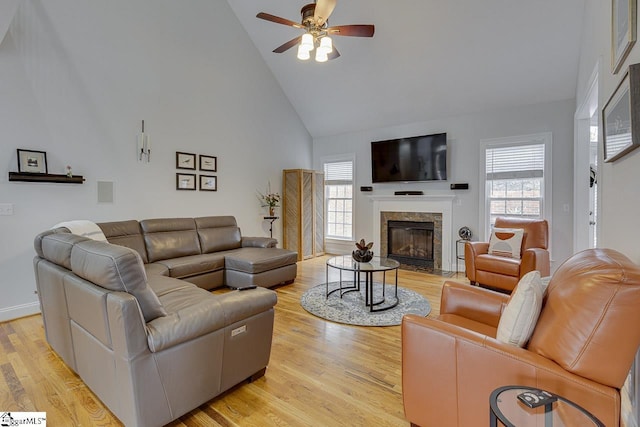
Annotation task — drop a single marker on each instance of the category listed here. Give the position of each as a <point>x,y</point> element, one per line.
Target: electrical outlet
<point>6,208</point>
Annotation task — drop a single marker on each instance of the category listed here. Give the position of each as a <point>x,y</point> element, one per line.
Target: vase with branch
<point>269,200</point>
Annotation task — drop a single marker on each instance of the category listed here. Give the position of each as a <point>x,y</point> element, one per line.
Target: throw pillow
<point>519,317</point>
<point>506,242</point>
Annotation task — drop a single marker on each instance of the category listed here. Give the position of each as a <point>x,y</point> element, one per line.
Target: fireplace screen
<point>411,242</point>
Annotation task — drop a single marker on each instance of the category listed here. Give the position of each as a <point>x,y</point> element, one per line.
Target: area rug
<point>350,309</point>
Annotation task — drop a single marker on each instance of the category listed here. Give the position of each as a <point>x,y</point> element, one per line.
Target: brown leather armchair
<point>582,347</point>
<point>504,273</point>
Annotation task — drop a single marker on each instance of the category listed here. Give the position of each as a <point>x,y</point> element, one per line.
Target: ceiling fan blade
<point>288,45</point>
<point>352,30</point>
<point>323,10</point>
<point>334,54</point>
<point>278,20</point>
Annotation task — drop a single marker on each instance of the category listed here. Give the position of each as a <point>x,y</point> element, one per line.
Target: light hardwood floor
<point>320,373</point>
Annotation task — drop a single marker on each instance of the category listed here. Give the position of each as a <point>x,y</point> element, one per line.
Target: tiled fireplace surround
<point>437,209</point>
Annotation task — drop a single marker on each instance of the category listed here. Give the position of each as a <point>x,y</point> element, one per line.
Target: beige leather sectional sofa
<point>208,251</point>
<point>151,345</point>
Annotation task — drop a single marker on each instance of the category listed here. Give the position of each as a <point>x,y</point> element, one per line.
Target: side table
<point>460,252</point>
<point>271,219</point>
<point>511,412</point>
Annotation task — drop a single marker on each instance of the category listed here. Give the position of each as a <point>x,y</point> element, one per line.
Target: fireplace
<point>411,242</point>
<point>420,246</point>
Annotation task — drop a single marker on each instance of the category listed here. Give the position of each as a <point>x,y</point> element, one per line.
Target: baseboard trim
<point>22,310</point>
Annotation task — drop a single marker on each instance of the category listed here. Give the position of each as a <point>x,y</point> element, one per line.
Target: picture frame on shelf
<point>208,183</point>
<point>621,133</point>
<point>623,31</point>
<point>32,161</point>
<point>208,163</point>
<point>185,160</point>
<point>185,181</point>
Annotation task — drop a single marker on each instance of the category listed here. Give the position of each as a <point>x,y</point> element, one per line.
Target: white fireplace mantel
<point>442,204</point>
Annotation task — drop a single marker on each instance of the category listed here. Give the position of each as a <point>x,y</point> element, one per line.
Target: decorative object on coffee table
<point>363,253</point>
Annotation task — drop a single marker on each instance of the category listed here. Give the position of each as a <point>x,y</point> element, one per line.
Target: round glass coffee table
<point>376,265</point>
<point>511,411</point>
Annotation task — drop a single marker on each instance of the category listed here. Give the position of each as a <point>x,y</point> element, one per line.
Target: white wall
<point>619,192</point>
<point>464,134</point>
<point>617,181</point>
<point>78,78</point>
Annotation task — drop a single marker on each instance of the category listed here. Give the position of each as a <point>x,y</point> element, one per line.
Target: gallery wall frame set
<point>188,181</point>
<point>621,117</point>
<point>623,31</point>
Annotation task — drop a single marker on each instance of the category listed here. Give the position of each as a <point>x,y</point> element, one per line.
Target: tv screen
<point>419,158</point>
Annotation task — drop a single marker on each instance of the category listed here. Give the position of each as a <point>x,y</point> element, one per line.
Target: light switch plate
<point>6,208</point>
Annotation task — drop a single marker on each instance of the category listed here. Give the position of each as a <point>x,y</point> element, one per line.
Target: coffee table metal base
<point>369,302</point>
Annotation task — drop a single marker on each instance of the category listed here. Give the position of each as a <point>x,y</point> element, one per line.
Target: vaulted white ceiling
<point>428,59</point>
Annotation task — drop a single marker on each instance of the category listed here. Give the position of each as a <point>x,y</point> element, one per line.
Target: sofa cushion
<point>116,268</point>
<point>218,233</point>
<point>498,264</point>
<point>126,233</point>
<point>506,242</point>
<point>519,317</point>
<point>193,312</point>
<point>192,265</point>
<point>167,238</point>
<point>258,260</point>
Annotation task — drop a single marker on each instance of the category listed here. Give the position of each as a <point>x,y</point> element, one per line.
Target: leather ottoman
<point>260,267</point>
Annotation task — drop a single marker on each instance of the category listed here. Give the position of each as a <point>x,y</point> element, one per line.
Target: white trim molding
<point>22,310</point>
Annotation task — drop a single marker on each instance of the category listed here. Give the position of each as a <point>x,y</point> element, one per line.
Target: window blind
<point>515,162</point>
<point>338,172</point>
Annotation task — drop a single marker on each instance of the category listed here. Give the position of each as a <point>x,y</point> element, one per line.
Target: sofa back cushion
<point>126,233</point>
<point>588,323</point>
<point>115,268</point>
<point>536,231</point>
<point>56,246</point>
<point>218,233</point>
<point>167,238</point>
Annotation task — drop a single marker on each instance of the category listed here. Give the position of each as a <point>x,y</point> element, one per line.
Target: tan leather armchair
<point>504,273</point>
<point>582,347</point>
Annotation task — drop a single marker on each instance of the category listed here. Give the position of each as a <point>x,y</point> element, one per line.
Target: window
<point>517,178</point>
<point>338,193</point>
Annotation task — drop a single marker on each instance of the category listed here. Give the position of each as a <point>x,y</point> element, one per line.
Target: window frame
<point>544,138</point>
<point>338,159</point>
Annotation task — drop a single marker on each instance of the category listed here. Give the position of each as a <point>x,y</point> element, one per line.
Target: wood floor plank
<point>320,373</point>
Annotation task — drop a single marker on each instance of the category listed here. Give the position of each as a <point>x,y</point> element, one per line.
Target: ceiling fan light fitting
<point>303,53</point>
<point>320,56</point>
<point>326,46</point>
<point>307,42</point>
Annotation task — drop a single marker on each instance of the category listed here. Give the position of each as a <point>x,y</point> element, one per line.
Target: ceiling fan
<point>317,31</point>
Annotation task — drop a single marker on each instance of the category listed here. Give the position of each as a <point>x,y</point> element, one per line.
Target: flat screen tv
<point>419,158</point>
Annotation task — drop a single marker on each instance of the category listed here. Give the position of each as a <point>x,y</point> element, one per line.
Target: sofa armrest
<point>479,304</point>
<point>449,365</point>
<point>471,251</point>
<point>242,304</point>
<point>535,259</point>
<point>259,242</point>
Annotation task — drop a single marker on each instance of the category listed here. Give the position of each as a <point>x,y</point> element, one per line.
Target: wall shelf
<point>45,177</point>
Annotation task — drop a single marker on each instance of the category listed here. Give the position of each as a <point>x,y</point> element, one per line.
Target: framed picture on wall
<point>623,31</point>
<point>208,183</point>
<point>620,117</point>
<point>185,161</point>
<point>31,161</point>
<point>185,181</point>
<point>208,163</point>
